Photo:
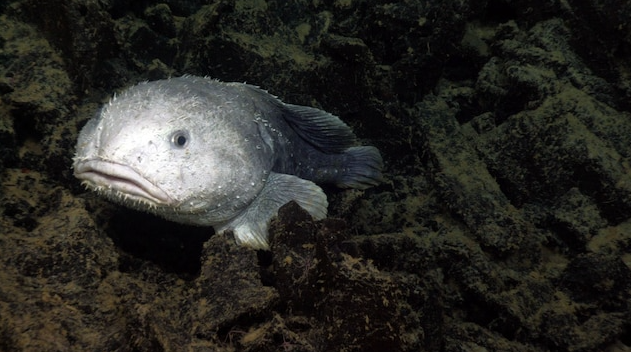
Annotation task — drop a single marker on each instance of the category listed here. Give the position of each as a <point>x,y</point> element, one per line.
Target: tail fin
<point>363,168</point>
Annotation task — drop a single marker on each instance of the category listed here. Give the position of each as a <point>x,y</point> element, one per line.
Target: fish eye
<point>180,138</point>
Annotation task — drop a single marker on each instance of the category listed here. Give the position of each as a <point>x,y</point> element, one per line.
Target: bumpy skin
<point>228,155</point>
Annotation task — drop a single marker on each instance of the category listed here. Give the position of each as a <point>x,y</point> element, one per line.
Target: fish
<point>198,151</point>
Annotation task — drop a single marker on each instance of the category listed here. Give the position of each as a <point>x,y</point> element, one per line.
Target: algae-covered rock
<point>503,224</point>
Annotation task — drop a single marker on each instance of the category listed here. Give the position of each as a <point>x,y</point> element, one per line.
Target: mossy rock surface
<point>504,222</point>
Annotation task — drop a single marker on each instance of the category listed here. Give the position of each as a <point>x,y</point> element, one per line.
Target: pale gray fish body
<point>228,155</point>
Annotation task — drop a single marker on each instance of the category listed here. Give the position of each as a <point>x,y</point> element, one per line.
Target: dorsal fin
<point>324,131</point>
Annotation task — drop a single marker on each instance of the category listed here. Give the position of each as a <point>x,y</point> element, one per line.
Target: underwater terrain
<point>504,222</point>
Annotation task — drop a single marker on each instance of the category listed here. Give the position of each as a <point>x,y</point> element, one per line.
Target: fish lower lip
<point>103,174</point>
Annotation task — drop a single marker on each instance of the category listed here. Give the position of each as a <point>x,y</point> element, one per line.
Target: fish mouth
<point>120,181</point>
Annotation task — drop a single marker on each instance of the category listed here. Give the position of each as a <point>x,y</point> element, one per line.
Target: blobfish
<point>198,151</point>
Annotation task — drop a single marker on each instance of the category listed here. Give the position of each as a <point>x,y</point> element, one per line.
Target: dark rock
<point>598,279</point>
<point>160,19</point>
<point>356,304</point>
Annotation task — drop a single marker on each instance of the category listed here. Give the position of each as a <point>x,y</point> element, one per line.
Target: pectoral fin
<point>250,226</point>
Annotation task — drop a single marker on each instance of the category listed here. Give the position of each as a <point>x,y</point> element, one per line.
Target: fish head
<point>169,151</point>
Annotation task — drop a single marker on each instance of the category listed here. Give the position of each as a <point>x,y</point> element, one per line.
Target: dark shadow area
<point>173,247</point>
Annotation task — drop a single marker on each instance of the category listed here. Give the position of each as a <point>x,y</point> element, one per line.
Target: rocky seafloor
<point>504,223</point>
